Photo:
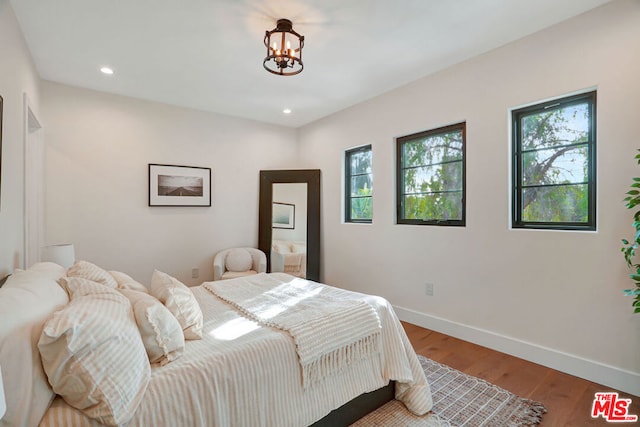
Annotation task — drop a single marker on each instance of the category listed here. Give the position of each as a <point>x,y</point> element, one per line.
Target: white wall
<point>98,150</point>
<point>17,77</point>
<point>554,297</point>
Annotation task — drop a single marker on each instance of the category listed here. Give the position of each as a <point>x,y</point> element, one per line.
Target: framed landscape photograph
<point>172,185</point>
<point>283,215</point>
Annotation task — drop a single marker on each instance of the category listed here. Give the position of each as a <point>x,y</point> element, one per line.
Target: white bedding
<point>328,330</point>
<point>241,374</point>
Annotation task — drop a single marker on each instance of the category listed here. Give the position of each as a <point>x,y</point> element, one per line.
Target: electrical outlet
<point>195,272</point>
<point>428,289</point>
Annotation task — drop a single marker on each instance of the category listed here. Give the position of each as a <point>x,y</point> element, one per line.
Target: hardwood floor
<point>568,399</point>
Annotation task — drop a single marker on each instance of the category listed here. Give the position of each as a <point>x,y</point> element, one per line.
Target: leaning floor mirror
<point>289,221</point>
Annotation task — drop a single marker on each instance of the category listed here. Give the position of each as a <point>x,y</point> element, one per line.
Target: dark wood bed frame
<point>357,408</point>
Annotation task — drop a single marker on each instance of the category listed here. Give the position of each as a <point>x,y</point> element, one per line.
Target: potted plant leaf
<point>632,201</point>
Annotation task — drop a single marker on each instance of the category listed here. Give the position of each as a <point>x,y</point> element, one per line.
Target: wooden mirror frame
<point>292,176</point>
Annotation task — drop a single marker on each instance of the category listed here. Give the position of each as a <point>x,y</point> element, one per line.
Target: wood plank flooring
<point>568,399</point>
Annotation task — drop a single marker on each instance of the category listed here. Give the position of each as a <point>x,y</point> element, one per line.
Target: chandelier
<point>284,49</point>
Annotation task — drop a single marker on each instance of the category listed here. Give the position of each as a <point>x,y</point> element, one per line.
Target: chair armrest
<point>259,259</point>
<point>218,264</point>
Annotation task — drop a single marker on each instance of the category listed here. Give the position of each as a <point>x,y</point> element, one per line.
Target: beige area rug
<point>459,400</point>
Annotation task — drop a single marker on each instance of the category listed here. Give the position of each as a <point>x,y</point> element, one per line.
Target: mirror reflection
<point>289,228</point>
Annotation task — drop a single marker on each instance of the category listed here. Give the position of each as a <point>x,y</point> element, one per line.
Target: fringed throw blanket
<point>329,331</point>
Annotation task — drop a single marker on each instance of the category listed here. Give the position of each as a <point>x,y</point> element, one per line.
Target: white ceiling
<point>207,54</point>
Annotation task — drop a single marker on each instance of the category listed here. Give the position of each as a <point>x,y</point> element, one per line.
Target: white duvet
<point>242,374</point>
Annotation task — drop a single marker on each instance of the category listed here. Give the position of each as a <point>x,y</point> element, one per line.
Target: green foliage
<point>555,165</point>
<point>362,206</point>
<point>629,249</point>
<point>360,185</point>
<point>432,177</point>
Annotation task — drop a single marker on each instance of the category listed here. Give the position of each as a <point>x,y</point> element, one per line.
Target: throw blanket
<point>292,262</point>
<point>329,332</point>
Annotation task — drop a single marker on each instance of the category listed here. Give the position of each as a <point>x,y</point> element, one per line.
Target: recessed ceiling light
<point>106,70</point>
<point>287,111</point>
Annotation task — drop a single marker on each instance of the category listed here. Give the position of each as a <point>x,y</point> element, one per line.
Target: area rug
<point>459,400</point>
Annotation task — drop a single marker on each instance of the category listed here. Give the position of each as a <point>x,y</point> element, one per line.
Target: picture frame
<point>174,185</point>
<point>284,215</point>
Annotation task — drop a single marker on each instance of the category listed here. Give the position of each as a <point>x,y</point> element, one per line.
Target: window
<point>554,164</point>
<point>358,185</point>
<point>431,177</point>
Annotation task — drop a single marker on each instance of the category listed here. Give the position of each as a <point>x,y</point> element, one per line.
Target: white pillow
<point>29,295</point>
<point>93,355</point>
<point>238,260</point>
<point>27,300</point>
<point>125,281</point>
<point>282,247</point>
<point>51,269</point>
<point>161,332</point>
<point>92,272</point>
<point>298,248</point>
<point>180,301</point>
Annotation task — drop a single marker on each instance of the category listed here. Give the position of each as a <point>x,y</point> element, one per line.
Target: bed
<point>240,373</point>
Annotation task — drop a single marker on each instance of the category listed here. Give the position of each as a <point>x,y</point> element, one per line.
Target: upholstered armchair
<point>238,262</point>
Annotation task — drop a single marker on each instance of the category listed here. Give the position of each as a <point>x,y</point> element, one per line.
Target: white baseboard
<point>597,372</point>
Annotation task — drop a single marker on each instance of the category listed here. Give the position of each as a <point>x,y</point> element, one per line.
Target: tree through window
<point>554,164</point>
<point>431,177</point>
<point>358,185</point>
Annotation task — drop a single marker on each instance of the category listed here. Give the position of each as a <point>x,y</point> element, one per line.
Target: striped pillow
<point>93,355</point>
<point>180,301</point>
<point>125,281</point>
<point>92,272</point>
<point>161,332</point>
